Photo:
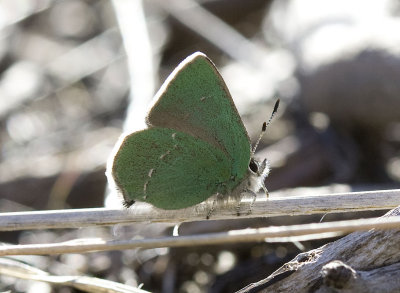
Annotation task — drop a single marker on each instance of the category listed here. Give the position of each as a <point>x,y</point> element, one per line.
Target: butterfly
<point>195,146</point>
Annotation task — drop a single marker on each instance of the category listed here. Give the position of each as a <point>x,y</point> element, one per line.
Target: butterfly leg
<point>239,202</point>
<point>238,207</point>
<point>265,189</point>
<point>254,197</point>
<point>211,210</point>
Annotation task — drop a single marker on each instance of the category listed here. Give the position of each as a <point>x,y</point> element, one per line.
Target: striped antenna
<point>264,127</point>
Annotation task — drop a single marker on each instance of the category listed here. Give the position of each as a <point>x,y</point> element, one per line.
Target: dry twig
<point>145,213</point>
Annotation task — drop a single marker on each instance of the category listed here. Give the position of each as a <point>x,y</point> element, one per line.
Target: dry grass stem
<point>145,213</point>
<point>14,268</point>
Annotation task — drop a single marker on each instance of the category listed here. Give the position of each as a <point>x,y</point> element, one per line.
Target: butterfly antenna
<point>264,127</point>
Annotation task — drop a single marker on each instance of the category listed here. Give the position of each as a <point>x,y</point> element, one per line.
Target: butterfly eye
<point>253,166</point>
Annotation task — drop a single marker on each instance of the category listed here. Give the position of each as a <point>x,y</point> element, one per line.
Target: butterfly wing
<point>195,100</point>
<point>169,169</point>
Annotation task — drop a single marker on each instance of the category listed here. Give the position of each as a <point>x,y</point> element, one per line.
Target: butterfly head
<point>258,168</point>
<point>258,172</point>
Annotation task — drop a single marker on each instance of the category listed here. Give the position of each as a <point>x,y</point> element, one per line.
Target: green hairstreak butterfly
<point>195,145</point>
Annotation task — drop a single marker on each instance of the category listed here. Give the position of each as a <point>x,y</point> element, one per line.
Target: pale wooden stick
<point>281,234</point>
<point>140,212</point>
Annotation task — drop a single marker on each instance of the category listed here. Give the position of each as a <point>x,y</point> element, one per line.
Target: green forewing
<point>170,169</point>
<point>195,100</point>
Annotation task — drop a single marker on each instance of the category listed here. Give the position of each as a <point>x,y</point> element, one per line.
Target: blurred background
<point>75,74</point>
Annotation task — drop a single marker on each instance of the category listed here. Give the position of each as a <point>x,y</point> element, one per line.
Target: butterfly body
<point>195,146</point>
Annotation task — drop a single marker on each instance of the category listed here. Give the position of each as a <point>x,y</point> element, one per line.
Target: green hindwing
<point>170,169</point>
